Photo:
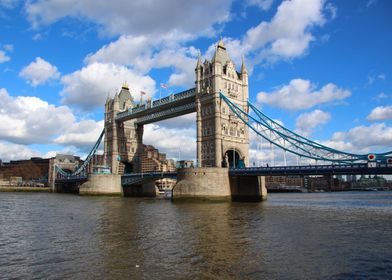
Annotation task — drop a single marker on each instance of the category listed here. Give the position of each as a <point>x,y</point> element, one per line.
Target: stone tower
<point>222,138</point>
<point>123,140</point>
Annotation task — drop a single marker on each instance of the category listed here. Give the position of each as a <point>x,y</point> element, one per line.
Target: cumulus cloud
<point>90,86</point>
<point>29,120</point>
<point>362,139</point>
<point>264,5</point>
<point>380,113</point>
<point>81,134</point>
<point>307,122</point>
<point>9,4</point>
<point>302,94</point>
<point>286,36</point>
<point>178,143</point>
<point>357,140</point>
<point>39,71</point>
<point>375,77</point>
<point>143,53</point>
<point>182,122</point>
<point>4,57</point>
<point>134,17</point>
<point>8,47</point>
<point>375,135</point>
<point>381,96</point>
<point>11,151</point>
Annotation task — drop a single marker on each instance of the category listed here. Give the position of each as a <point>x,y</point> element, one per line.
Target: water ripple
<point>291,236</point>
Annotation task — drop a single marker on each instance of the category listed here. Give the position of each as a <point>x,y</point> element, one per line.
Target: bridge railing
<point>166,100</point>
<point>134,178</point>
<point>356,168</point>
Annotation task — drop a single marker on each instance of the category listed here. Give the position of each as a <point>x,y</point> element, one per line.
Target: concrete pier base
<point>248,188</point>
<point>202,184</point>
<point>66,187</point>
<point>102,184</point>
<point>147,189</point>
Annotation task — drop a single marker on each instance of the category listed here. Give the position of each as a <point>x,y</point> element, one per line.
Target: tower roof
<point>198,61</point>
<point>243,66</point>
<point>221,54</point>
<point>221,45</point>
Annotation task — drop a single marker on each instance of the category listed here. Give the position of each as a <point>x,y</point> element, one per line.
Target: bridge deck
<point>352,169</point>
<point>355,169</point>
<point>171,106</point>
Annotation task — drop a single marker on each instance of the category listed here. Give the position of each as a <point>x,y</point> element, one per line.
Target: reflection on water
<point>291,236</point>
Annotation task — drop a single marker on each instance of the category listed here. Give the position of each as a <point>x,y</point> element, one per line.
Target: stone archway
<point>233,159</point>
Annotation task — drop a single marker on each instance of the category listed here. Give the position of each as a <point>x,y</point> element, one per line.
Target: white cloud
<point>30,120</point>
<point>302,94</point>
<point>90,86</point>
<point>4,57</point>
<point>182,122</point>
<point>380,113</point>
<point>381,96</point>
<point>362,139</point>
<point>134,17</point>
<point>39,71</point>
<point>373,78</point>
<point>370,3</point>
<point>264,5</point>
<point>81,134</point>
<point>382,76</point>
<point>143,53</point>
<point>10,151</point>
<point>9,4</point>
<point>375,135</point>
<point>307,122</point>
<point>287,35</point>
<point>8,47</point>
<point>37,37</point>
<point>26,120</point>
<point>176,143</point>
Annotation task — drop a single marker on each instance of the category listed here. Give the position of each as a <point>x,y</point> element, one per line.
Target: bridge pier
<point>248,188</point>
<point>215,183</point>
<point>66,187</point>
<point>202,183</point>
<point>102,184</point>
<point>147,189</point>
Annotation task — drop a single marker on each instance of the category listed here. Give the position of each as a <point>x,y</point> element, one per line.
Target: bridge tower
<point>222,138</point>
<point>123,140</point>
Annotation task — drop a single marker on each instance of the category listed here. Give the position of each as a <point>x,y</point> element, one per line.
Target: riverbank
<point>24,189</point>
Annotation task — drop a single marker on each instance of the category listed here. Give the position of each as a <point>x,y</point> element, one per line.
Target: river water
<point>290,236</point>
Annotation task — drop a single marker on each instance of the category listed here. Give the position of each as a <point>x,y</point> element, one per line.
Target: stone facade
<point>222,138</point>
<point>123,141</point>
<point>124,151</point>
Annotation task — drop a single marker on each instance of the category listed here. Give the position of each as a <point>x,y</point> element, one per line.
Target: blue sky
<point>322,68</point>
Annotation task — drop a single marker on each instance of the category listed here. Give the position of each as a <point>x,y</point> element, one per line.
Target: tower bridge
<point>224,118</point>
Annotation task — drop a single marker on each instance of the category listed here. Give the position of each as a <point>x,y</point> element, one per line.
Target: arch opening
<point>233,159</point>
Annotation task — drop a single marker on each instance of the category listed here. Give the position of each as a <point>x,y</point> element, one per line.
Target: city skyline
<point>322,68</point>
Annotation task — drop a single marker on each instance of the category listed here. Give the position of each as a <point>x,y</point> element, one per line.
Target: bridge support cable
<point>328,150</point>
<point>82,169</point>
<point>290,141</point>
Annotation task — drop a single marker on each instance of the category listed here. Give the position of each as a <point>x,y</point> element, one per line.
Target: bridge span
<point>224,120</point>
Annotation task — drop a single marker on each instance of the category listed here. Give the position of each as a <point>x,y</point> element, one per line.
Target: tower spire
<point>198,60</point>
<point>243,66</point>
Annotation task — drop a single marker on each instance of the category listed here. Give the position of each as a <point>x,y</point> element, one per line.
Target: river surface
<point>290,236</point>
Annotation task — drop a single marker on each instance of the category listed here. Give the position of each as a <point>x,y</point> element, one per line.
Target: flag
<point>163,86</point>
